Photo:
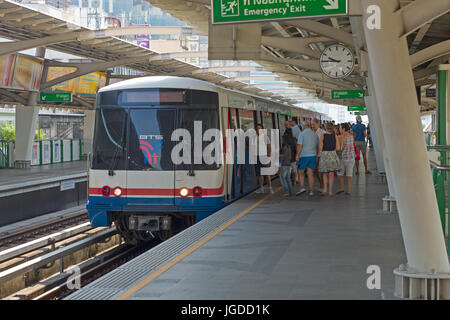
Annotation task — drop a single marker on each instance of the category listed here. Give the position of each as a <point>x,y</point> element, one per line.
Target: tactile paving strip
<point>126,276</point>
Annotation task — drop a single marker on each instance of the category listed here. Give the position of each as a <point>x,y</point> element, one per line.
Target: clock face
<point>337,61</point>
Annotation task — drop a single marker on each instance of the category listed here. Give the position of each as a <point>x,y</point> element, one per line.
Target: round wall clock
<point>337,61</point>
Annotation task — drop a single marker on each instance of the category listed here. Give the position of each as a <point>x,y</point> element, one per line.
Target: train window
<point>282,119</point>
<point>108,98</point>
<point>210,120</point>
<point>150,139</point>
<point>109,150</point>
<point>268,122</point>
<point>246,119</point>
<point>234,119</point>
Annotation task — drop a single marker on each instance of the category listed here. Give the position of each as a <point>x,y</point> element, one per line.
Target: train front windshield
<point>134,127</point>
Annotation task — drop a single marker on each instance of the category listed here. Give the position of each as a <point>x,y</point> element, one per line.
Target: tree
<point>8,133</point>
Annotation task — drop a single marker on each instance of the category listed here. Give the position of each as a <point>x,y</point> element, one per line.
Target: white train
<point>133,181</point>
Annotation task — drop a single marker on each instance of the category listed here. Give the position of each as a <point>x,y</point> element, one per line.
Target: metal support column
<point>428,266</point>
<point>26,122</point>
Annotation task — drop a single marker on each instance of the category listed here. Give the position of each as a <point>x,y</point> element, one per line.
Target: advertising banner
<point>27,73</point>
<point>20,72</point>
<point>6,68</point>
<point>86,85</point>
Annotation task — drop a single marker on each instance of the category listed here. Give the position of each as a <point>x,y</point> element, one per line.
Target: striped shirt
<point>348,152</point>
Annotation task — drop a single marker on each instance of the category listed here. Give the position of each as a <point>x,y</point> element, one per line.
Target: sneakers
<point>302,190</point>
<point>311,193</point>
<point>271,190</point>
<point>260,190</point>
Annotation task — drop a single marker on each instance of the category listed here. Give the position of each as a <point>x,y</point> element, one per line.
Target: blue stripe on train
<point>100,208</point>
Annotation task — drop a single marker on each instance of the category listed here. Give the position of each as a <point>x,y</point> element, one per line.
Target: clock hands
<point>331,60</point>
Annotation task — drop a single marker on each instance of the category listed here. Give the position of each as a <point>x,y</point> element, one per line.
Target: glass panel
<point>233,120</point>
<point>246,119</point>
<point>268,122</point>
<point>210,120</point>
<point>150,139</point>
<point>109,140</point>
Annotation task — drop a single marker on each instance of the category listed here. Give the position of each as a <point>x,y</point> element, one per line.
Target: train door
<point>249,180</point>
<point>237,169</point>
<point>150,175</point>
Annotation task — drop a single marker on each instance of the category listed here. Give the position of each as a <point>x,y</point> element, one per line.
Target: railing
<point>56,151</point>
<point>441,185</point>
<point>44,152</point>
<point>5,155</point>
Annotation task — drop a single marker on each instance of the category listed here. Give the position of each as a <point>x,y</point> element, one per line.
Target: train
<point>133,181</point>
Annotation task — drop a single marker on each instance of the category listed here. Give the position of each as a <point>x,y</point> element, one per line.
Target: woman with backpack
<point>329,161</point>
<point>347,145</point>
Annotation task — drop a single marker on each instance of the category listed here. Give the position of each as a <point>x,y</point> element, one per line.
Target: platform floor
<point>36,173</point>
<point>296,248</point>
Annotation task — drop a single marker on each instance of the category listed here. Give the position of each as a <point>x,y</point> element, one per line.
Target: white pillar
<point>26,123</point>
<point>371,101</point>
<point>88,131</point>
<point>405,146</point>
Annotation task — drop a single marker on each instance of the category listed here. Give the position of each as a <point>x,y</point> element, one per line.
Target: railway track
<point>28,233</point>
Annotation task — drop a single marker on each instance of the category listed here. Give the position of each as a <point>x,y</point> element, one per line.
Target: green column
<point>51,151</point>
<point>442,99</point>
<point>62,151</point>
<point>71,150</point>
<point>40,152</point>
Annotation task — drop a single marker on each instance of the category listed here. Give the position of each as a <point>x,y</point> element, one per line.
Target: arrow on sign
<point>333,4</point>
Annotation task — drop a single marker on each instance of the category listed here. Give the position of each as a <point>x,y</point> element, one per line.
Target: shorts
<point>258,167</point>
<point>361,146</point>
<point>346,168</point>
<point>307,162</point>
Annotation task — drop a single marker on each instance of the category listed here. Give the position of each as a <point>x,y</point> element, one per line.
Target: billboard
<point>86,85</point>
<point>20,72</point>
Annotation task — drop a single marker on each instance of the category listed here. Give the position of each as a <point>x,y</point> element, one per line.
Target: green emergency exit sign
<point>347,94</point>
<point>56,97</point>
<point>239,11</point>
<point>356,108</point>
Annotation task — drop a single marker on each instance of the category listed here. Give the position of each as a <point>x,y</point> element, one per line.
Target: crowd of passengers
<point>324,151</point>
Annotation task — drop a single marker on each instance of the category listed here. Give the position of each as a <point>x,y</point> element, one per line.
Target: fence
<point>440,168</point>
<point>5,154</point>
<point>44,152</point>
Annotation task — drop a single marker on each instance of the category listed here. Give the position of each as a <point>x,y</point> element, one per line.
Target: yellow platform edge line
<point>187,252</point>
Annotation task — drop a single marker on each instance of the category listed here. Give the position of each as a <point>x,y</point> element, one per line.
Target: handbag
<point>356,151</point>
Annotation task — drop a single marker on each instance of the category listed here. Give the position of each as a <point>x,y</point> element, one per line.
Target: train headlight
<point>117,191</point>
<point>184,192</point>
<point>106,191</point>
<point>197,192</point>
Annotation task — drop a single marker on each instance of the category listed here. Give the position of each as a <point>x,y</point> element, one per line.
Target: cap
<point>358,119</point>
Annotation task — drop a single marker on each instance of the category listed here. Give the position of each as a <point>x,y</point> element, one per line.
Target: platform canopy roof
<point>33,25</point>
<point>290,48</point>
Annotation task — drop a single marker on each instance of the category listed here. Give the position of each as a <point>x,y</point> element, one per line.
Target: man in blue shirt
<point>307,150</point>
<point>360,133</point>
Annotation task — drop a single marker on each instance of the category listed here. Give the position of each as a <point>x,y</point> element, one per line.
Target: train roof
<point>161,82</point>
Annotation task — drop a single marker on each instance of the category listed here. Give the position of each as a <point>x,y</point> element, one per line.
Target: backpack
<point>292,142</point>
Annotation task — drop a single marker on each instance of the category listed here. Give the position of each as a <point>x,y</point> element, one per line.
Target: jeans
<point>285,177</point>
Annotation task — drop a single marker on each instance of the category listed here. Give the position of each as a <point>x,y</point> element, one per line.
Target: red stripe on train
<point>158,192</point>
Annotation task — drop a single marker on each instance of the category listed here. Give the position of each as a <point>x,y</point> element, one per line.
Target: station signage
<point>240,11</point>
<point>356,108</point>
<point>56,97</point>
<point>347,94</point>
<point>430,93</point>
